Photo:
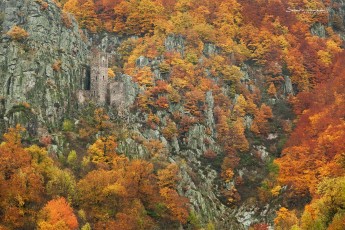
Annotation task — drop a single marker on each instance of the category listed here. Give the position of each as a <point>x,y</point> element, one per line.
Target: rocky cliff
<point>39,75</point>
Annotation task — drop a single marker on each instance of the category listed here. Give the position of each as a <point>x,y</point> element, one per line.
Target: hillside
<point>172,114</point>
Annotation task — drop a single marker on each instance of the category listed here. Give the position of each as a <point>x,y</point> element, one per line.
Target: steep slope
<point>205,88</point>
<point>41,72</point>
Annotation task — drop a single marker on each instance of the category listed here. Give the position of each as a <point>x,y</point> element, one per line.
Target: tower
<point>99,77</point>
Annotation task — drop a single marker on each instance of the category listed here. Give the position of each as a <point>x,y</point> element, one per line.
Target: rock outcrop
<point>40,74</point>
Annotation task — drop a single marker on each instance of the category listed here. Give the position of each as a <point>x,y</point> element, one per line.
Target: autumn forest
<point>241,99</point>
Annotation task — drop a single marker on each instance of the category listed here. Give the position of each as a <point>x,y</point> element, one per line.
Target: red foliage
<point>210,154</point>
<point>316,145</point>
<point>260,226</point>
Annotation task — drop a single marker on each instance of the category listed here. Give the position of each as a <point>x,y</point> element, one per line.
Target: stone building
<point>96,86</point>
<point>95,81</point>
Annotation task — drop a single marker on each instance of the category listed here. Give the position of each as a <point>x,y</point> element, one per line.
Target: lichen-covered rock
<point>175,42</point>
<point>319,30</point>
<point>210,49</point>
<point>288,89</point>
<point>337,17</point>
<point>142,61</point>
<point>42,71</point>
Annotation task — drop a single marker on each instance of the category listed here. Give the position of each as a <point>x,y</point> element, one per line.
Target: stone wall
<point>99,80</point>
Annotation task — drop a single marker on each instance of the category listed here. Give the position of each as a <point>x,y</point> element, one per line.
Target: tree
<point>62,183</point>
<point>103,150</point>
<point>111,73</point>
<point>176,205</point>
<point>137,17</point>
<point>168,177</point>
<point>21,184</point>
<point>260,122</point>
<point>85,13</point>
<point>57,214</point>
<point>134,217</point>
<point>285,219</point>
<point>241,105</point>
<point>99,193</point>
<point>272,92</point>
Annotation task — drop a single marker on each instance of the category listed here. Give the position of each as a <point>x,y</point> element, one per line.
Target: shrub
<point>17,33</point>
<point>192,58</point>
<point>45,140</point>
<point>57,66</point>
<point>44,5</point>
<point>162,103</point>
<point>66,19</point>
<point>164,68</point>
<point>67,125</point>
<point>72,159</point>
<point>111,73</point>
<point>170,131</point>
<point>210,154</point>
<point>152,121</point>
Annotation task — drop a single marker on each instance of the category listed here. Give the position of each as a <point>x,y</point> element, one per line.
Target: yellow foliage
<point>229,174</point>
<point>111,73</point>
<point>17,33</point>
<point>325,57</point>
<point>285,219</point>
<point>241,104</point>
<point>276,190</point>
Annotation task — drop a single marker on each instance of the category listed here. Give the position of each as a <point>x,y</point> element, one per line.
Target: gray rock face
<point>124,92</point>
<point>288,89</point>
<point>319,30</point>
<point>337,17</point>
<point>209,112</point>
<point>31,73</point>
<point>198,185</point>
<point>43,70</point>
<point>142,61</point>
<point>105,42</point>
<point>210,49</point>
<point>175,42</point>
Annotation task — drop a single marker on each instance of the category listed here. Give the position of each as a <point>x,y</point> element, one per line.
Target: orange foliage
<point>20,183</point>
<point>17,33</point>
<point>168,177</point>
<point>285,219</point>
<point>131,186</point>
<point>57,214</point>
<point>316,145</point>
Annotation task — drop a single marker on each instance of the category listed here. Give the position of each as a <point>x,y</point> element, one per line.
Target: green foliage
<point>248,160</point>
<point>210,226</point>
<point>62,183</point>
<point>308,223</point>
<point>192,58</point>
<point>67,125</point>
<point>87,226</point>
<point>281,143</point>
<point>273,168</point>
<point>194,220</point>
<point>326,212</point>
<point>72,159</point>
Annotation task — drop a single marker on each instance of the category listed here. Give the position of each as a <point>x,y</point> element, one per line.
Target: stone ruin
<point>95,80</point>
<point>97,87</point>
